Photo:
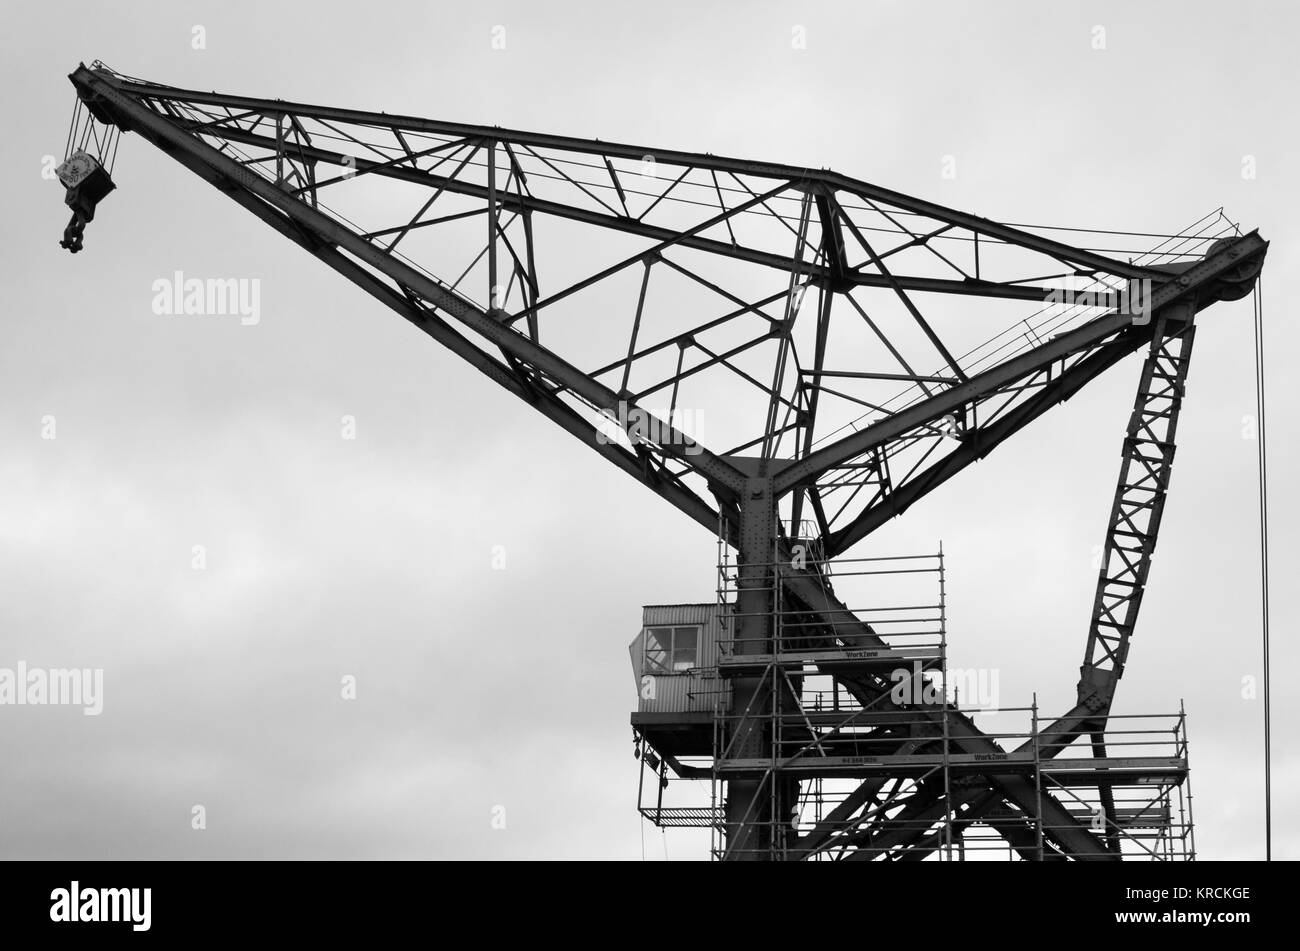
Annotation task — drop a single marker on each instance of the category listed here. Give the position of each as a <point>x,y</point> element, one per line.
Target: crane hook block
<point>87,182</point>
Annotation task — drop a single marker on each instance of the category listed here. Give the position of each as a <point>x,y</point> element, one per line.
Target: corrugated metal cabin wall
<point>702,689</point>
<point>704,615</point>
<point>686,693</point>
<point>673,694</point>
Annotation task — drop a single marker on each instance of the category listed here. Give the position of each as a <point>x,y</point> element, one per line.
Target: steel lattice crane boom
<point>794,308</point>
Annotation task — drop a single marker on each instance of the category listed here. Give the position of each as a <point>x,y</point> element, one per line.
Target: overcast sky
<point>480,688</point>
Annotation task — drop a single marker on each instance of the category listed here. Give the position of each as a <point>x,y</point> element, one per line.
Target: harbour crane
<point>835,331</point>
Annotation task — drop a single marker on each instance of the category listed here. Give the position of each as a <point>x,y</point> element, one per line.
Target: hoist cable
<point>1263,563</point>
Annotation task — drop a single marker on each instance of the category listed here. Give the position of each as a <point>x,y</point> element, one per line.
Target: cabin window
<point>671,650</point>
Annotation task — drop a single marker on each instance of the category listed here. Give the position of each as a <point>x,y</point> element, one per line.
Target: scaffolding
<point>860,760</point>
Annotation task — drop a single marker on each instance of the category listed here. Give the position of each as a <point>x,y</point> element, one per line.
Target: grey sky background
<point>480,688</point>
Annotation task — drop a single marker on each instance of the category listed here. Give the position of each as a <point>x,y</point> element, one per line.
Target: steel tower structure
<point>828,324</point>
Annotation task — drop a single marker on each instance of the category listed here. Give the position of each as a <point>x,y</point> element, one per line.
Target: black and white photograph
<point>445,437</point>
